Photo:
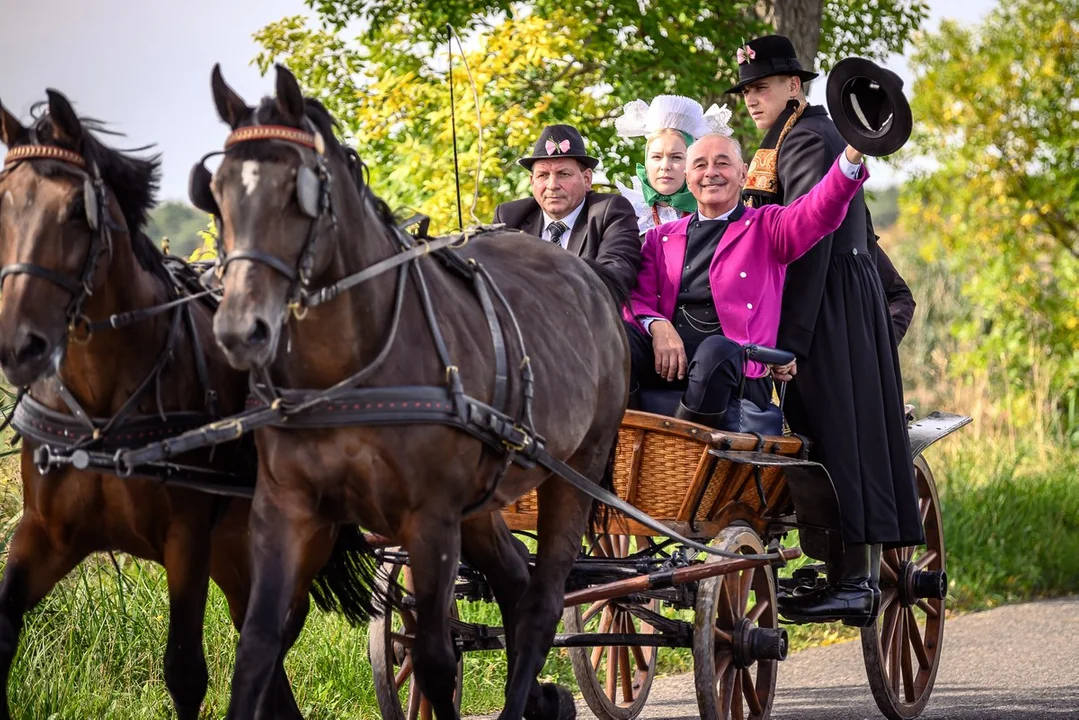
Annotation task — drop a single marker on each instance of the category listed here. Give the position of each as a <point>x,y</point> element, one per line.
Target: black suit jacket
<point>805,157</point>
<point>605,231</point>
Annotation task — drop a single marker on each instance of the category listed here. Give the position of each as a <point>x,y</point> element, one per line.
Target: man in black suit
<point>563,208</point>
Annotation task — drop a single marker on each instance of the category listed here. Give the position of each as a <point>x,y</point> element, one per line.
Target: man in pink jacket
<point>713,281</point>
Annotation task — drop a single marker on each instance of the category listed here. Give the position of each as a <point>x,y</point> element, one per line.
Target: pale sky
<point>144,65</point>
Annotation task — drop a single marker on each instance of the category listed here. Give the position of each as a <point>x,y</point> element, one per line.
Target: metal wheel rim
<point>723,689</point>
<point>398,696</point>
<point>612,697</point>
<point>902,650</point>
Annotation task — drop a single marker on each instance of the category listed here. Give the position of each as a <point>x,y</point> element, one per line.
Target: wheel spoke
<point>414,696</point>
<point>604,626</point>
<point>916,641</point>
<point>888,573</point>
<point>887,597</point>
<point>888,628</point>
<point>640,659</point>
<point>908,670</point>
<point>404,673</point>
<point>627,675</point>
<point>425,709</point>
<point>754,615</point>
<point>606,549</point>
<point>736,699</point>
<point>750,693</point>
<point>723,661</point>
<point>726,685</point>
<point>727,600</point>
<point>612,673</point>
<point>893,656</point>
<point>405,640</point>
<point>927,608</point>
<point>592,610</point>
<point>722,638</point>
<point>745,585</point>
<point>923,508</point>
<point>923,562</point>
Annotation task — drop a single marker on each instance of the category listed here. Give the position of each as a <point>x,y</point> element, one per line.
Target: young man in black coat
<point>848,393</point>
<point>563,208</point>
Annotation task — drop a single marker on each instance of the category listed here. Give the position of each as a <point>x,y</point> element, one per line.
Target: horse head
<point>58,210</point>
<point>272,195</point>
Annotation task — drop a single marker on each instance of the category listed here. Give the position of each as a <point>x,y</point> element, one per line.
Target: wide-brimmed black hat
<point>868,107</point>
<point>559,141</point>
<point>767,56</point>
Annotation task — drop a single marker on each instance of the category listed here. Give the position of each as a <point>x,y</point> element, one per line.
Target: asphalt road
<point>1018,661</point>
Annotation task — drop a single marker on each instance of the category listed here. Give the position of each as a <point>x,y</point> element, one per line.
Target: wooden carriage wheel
<point>389,641</point>
<point>614,681</point>
<point>903,649</point>
<point>730,683</point>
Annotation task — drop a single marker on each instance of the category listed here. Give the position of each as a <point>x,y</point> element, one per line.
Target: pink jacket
<point>750,262</point>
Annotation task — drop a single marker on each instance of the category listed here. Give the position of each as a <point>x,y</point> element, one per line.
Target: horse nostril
<point>259,334</point>
<point>32,347</point>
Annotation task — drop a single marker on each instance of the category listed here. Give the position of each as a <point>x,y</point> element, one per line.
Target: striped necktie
<point>557,229</point>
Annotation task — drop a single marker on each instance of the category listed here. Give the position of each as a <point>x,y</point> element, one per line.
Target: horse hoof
<point>555,703</point>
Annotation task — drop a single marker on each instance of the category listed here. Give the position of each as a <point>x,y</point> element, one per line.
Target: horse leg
<point>231,570</point>
<point>187,569</point>
<point>434,552</point>
<point>287,549</point>
<point>34,565</point>
<point>563,515</point>
<point>490,548</point>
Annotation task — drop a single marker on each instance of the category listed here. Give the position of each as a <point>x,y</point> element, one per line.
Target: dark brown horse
<point>427,486</point>
<point>73,253</point>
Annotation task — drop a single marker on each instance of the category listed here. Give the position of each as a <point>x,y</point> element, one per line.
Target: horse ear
<point>289,96</point>
<point>66,125</point>
<point>230,106</point>
<point>11,130</point>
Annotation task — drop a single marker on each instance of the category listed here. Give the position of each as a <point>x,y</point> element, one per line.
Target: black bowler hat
<point>868,107</point>
<point>559,141</point>
<point>767,56</point>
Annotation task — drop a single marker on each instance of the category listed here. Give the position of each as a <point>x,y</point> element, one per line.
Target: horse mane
<point>267,113</point>
<point>133,180</point>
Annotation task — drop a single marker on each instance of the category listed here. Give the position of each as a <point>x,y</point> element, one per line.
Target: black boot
<point>707,419</point>
<point>851,595</point>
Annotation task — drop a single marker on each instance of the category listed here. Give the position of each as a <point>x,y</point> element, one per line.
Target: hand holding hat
<point>868,107</point>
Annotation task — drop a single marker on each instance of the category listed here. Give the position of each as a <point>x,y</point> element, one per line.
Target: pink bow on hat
<point>552,146</point>
<point>746,54</point>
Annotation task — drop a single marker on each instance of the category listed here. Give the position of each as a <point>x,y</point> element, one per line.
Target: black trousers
<point>715,372</point>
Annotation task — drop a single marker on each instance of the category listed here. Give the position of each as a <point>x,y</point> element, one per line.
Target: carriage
<point>632,593</point>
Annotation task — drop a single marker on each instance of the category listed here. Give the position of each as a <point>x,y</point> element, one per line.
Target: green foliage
<point>180,223</point>
<point>997,116</point>
<point>533,64</point>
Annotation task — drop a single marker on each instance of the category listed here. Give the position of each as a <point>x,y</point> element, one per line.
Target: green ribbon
<point>682,200</point>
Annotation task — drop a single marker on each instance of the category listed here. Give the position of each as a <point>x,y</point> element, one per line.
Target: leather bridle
<point>98,217</point>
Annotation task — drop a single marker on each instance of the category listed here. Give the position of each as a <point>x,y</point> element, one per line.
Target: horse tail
<point>615,288</point>
<point>599,515</point>
<point>348,582</point>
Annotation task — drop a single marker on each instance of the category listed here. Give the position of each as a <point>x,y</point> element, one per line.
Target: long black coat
<point>848,395</point>
<point>605,231</point>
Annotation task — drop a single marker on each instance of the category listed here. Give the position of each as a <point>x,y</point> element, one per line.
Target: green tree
<point>533,64</point>
<point>180,223</point>
<point>998,119</point>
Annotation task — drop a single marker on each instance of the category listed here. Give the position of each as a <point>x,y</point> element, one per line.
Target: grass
<point>94,647</point>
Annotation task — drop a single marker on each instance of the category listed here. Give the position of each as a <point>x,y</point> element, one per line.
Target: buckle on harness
<point>516,438</point>
<point>225,425</point>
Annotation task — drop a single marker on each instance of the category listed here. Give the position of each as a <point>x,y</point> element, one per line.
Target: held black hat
<point>868,107</point>
<point>767,56</point>
<point>559,141</point>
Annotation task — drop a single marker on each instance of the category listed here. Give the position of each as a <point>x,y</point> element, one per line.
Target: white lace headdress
<point>672,111</point>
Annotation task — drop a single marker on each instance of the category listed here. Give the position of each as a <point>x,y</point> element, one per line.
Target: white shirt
<point>568,221</point>
<point>848,168</point>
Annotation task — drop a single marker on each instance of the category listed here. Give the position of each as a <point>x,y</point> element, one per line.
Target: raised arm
<point>796,228</point>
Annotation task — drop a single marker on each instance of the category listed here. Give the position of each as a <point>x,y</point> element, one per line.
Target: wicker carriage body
<point>664,468</point>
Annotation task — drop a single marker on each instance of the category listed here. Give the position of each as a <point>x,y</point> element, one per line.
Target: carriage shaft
<point>669,578</point>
